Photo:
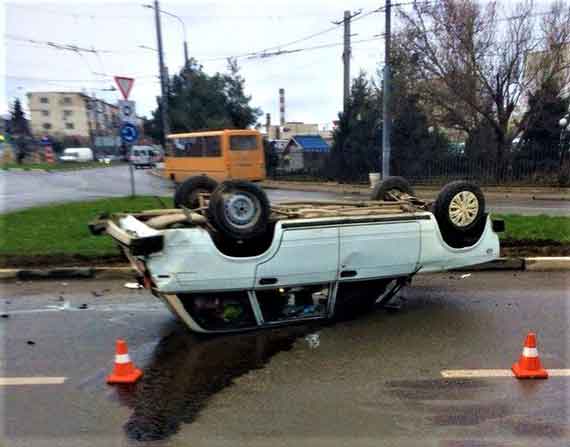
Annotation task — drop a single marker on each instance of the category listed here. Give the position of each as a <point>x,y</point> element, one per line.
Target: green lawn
<point>62,229</point>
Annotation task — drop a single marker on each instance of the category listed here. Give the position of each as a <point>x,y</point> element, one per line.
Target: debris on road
<point>466,275</point>
<point>133,285</point>
<point>31,342</point>
<point>313,340</point>
<point>83,306</point>
<point>5,316</point>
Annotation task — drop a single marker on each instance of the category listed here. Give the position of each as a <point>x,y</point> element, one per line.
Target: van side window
<point>212,147</point>
<point>197,147</point>
<point>243,142</point>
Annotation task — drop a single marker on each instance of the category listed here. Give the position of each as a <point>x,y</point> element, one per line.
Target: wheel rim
<point>241,209</point>
<point>463,208</point>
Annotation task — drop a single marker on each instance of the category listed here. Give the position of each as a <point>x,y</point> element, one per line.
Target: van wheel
<point>239,210</point>
<point>390,188</point>
<point>188,192</point>
<point>459,206</point>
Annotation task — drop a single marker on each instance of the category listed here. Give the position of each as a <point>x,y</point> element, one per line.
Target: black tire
<point>186,193</point>
<point>239,210</point>
<point>382,189</point>
<point>460,207</point>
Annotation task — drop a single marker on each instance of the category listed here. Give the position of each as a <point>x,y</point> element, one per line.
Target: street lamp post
<point>564,128</point>
<point>184,31</point>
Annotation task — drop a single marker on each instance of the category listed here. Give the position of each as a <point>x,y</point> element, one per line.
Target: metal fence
<point>540,167</point>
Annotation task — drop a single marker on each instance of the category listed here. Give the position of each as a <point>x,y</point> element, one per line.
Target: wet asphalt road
<point>25,189</point>
<point>374,380</point>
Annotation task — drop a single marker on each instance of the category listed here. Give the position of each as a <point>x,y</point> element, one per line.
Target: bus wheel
<point>188,192</point>
<point>239,210</point>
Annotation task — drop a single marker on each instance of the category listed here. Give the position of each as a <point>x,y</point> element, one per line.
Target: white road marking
<point>483,373</point>
<point>13,381</point>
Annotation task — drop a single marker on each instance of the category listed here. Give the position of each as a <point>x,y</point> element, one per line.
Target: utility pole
<point>186,59</point>
<point>346,61</point>
<point>387,115</point>
<point>346,56</point>
<point>162,72</point>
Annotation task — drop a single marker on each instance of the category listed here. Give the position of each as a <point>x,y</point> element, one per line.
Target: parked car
<point>142,156</point>
<point>77,154</point>
<point>240,263</point>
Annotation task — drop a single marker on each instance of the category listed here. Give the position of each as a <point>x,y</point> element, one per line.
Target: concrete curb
<point>538,264</point>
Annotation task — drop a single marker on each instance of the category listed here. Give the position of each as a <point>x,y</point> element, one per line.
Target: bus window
<point>197,147</point>
<point>243,142</point>
<point>212,147</point>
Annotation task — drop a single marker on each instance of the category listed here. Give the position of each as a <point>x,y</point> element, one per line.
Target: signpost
<point>128,130</point>
<point>127,112</point>
<point>129,133</point>
<point>125,85</point>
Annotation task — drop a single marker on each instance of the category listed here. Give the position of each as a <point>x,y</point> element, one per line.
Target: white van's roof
<point>77,149</point>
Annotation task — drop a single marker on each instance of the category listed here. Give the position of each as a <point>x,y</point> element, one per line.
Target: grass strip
<point>62,228</point>
<point>71,166</point>
<point>536,228</point>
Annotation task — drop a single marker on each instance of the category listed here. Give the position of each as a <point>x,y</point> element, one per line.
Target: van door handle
<point>348,273</point>
<point>267,281</point>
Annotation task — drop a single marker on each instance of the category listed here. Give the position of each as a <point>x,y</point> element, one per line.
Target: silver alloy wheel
<point>463,208</point>
<point>241,209</point>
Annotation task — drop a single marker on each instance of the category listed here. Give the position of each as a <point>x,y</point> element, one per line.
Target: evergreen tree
<point>18,121</point>
<point>356,139</point>
<point>198,101</point>
<point>541,138</point>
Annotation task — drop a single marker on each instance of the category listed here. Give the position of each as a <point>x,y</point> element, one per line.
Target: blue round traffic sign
<point>129,133</point>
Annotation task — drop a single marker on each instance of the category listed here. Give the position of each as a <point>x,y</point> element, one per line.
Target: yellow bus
<point>220,154</point>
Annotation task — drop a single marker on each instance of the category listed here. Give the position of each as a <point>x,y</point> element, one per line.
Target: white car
<point>301,269</point>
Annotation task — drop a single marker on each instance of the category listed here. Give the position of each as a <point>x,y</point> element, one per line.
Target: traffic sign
<point>125,85</point>
<point>129,133</point>
<point>127,112</point>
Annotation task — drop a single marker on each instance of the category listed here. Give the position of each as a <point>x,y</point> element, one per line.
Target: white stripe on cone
<point>530,352</point>
<point>122,358</point>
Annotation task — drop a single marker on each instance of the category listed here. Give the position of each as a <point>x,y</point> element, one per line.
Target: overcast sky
<point>216,29</point>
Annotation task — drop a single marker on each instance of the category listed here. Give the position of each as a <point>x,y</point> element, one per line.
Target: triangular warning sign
<point>125,85</point>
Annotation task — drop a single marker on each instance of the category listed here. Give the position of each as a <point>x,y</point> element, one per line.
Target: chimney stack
<point>268,124</point>
<point>282,106</point>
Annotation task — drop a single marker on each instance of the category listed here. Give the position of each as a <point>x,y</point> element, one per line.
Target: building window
<point>69,125</point>
<point>44,100</point>
<point>46,126</point>
<point>67,113</point>
<point>66,100</point>
<point>45,112</point>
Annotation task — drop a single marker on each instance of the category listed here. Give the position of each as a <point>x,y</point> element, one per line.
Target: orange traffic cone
<point>124,371</point>
<point>528,366</point>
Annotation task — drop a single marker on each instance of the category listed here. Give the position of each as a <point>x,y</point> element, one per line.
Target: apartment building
<point>62,114</point>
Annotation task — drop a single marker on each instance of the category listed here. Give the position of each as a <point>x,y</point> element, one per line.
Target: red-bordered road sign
<point>125,85</point>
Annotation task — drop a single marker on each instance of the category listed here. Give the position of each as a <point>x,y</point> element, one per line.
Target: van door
<point>378,249</point>
<point>305,256</point>
<point>245,157</point>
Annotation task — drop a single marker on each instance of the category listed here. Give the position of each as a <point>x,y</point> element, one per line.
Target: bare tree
<point>477,65</point>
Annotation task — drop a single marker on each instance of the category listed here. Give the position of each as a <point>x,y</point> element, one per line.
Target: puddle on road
<point>186,370</point>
